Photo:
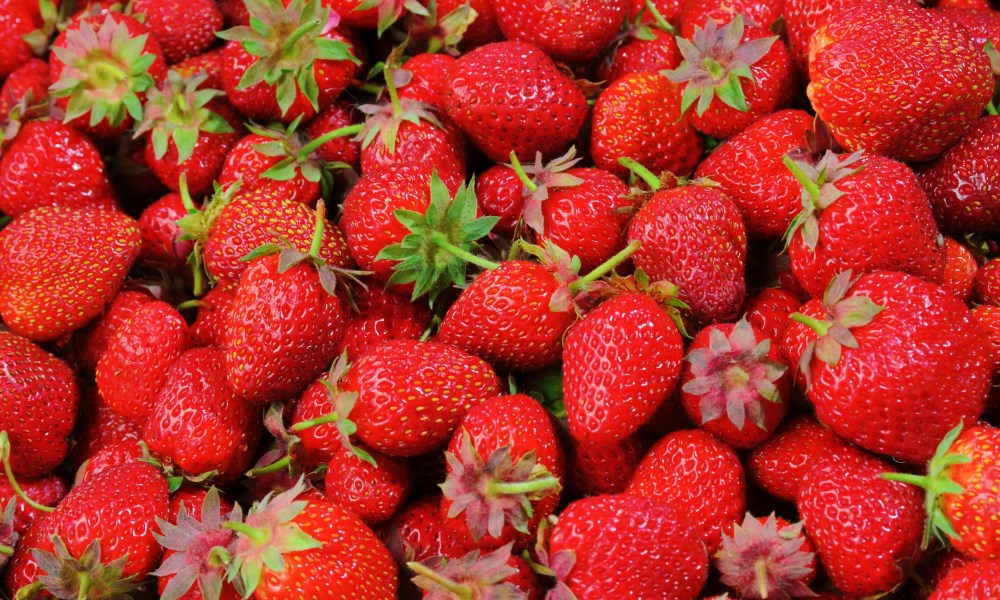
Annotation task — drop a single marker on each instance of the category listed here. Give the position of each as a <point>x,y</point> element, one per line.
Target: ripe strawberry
<point>112,456</point>
<point>209,327</point>
<point>289,62</point>
<point>455,19</point>
<point>982,25</point>
<point>698,476</point>
<point>182,28</point>
<point>737,74</point>
<point>163,241</point>
<point>939,567</point>
<point>733,374</point>
<point>16,21</point>
<point>988,317</point>
<point>510,97</point>
<point>373,493</point>
<point>207,63</point>
<point>963,195</point>
<point>197,423</point>
<point>371,14</point>
<point>28,82</point>
<point>594,469</point>
<point>621,546</point>
<point>46,299</point>
<point>426,78</point>
<point>979,579</point>
<point>804,17</point>
<point>574,32</point>
<point>92,341</point>
<point>324,550</point>
<point>756,13</point>
<point>343,149</point>
<point>100,68</point>
<point>896,337</point>
<point>693,236</point>
<point>749,168</point>
<point>768,311</point>
<point>960,268</point>
<point>417,532</point>
<point>656,11</point>
<point>839,193</point>
<point>381,316</point>
<point>929,114</point>
<point>767,558</point>
<point>275,161</point>
<point>97,427</point>
<point>134,367</point>
<point>505,471</point>
<point>866,529</point>
<point>498,574</point>
<point>987,283</point>
<point>47,491</point>
<point>645,49</point>
<point>639,117</point>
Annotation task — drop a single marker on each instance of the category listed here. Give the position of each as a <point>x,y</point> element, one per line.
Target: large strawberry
<point>882,84</point>
<point>574,32</point>
<point>891,336</point>
<point>46,298</point>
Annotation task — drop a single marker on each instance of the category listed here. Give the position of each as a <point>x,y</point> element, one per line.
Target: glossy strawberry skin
<point>441,147</point>
<point>638,116</point>
<point>694,237</point>
<point>510,96</point>
<point>16,20</point>
<point>501,194</point>
<point>418,527</point>
<point>960,268</point>
<point>760,13</point>
<point>280,323</point>
<point>40,403</point>
<point>97,427</point>
<point>47,491</point>
<point>859,64</point>
<point>769,311</point>
<point>374,494</point>
<point>183,29</point>
<point>430,75</point>
<point>594,469</point>
<point>641,56</point>
<point>978,579</point>
<point>617,374</point>
<point>247,164</point>
<point>381,316</point>
<point>161,243</point>
<point>748,167</point>
<point>922,355</point>
<point>699,476</point>
<point>411,395</point>
<point>866,529</point>
<point>974,512</point>
<point>343,149</point>
<point>209,328</point>
<point>574,32</point>
<point>30,78</point>
<point>504,318</point>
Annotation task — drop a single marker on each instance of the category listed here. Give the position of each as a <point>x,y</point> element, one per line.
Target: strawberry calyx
<point>663,292</point>
<point>105,71</point>
<point>543,177</point>
<point>495,491</point>
<point>383,120</point>
<point>8,536</point>
<point>734,375</point>
<point>178,110</point>
<point>763,560</point>
<point>834,331</point>
<point>639,28</point>
<point>86,577</point>
<point>818,191</point>
<point>641,194</point>
<point>715,63</point>
<point>565,269</point>
<point>556,566</point>
<point>282,455</point>
<point>9,472</point>
<point>202,549</point>
<point>442,34</point>
<point>470,576</point>
<point>287,42</point>
<point>197,224</point>
<point>442,242</point>
<point>298,153</point>
<point>936,483</point>
<point>268,533</point>
<point>390,11</point>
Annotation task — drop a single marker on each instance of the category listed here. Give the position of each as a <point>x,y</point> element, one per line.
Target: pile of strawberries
<point>499,299</point>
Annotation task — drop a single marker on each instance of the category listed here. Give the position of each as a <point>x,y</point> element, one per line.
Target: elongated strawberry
<point>574,32</point>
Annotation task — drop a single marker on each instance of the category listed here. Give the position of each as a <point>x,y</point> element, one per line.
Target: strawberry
<point>977,579</point>
<point>8,535</point>
<point>885,334</point>
<point>639,117</point>
<point>838,193</point>
<point>47,491</point>
<point>986,283</point>
<point>574,32</point>
<point>622,546</point>
<point>163,241</point>
<point>373,493</point>
<point>101,67</point>
<point>693,236</point>
<point>757,13</point>
<point>960,268</point>
<point>275,161</point>
<point>183,29</point>
<point>658,11</point>
<point>749,168</point>
<point>381,316</point>
<point>618,373</point>
<point>737,75</point>
<point>963,196</point>
<point>860,63</point>
<point>344,149</point>
<point>197,425</point>
<point>768,311</point>
<point>988,317</point>
<point>510,97</point>
<point>733,374</point>
<point>323,549</point>
<point>370,14</point>
<point>28,82</point>
<point>697,475</point>
<point>289,62</point>
<point>497,574</point>
<point>134,367</point>
<point>505,471</point>
<point>207,63</point>
<point>644,49</point>
<point>417,532</point>
<point>942,563</point>
<point>40,399</point>
<point>767,558</point>
<point>442,28</point>
<point>594,469</point>
<point>92,341</point>
<point>866,529</point>
<point>111,456</point>
<point>16,21</point>
<point>44,300</point>
<point>426,78</point>
<point>209,327</point>
<point>804,17</point>
<point>982,25</point>
<point>97,427</point>
<point>472,22</point>
<point>501,193</point>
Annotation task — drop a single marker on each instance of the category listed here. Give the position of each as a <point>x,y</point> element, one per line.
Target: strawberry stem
<point>329,135</point>
<point>317,240</point>
<point>641,172</point>
<point>658,17</point>
<point>271,468</point>
<point>6,550</point>
<point>84,585</point>
<point>440,240</point>
<point>296,35</point>
<point>501,488</point>
<point>5,458</point>
<point>327,418</point>
<point>186,195</point>
<point>461,592</point>
<point>813,323</point>
<point>991,109</point>
<point>760,574</point>
<point>258,536</point>
<point>604,268</point>
<point>807,184</point>
<point>516,165</point>
<point>32,590</point>
<point>390,86</point>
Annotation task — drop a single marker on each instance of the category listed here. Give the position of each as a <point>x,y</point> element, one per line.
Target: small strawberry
<point>373,493</point>
<point>183,28</point>
<point>8,535</point>
<point>767,558</point>
<point>642,49</point>
<point>960,268</point>
<point>417,532</point>
<point>979,579</point>
<point>426,78</point>
<point>498,574</point>
<point>574,32</point>
<point>986,283</point>
<point>209,327</point>
<point>16,21</point>
<point>769,310</point>
<point>345,149</point>
<point>594,469</point>
<point>28,82</point>
<point>47,491</point>
<point>207,63</point>
<point>381,316</point>
<point>97,427</point>
<point>163,241</point>
<point>371,14</point>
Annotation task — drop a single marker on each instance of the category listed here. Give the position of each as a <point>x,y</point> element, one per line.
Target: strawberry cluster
<point>499,299</point>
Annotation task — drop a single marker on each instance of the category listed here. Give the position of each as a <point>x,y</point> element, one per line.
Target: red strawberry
<point>182,28</point>
<point>163,240</point>
<point>866,529</point>
<point>209,328</point>
<point>767,558</point>
<point>425,77</point>
<point>768,311</point>
<point>98,426</point>
<point>758,13</point>
<point>574,32</point>
<point>734,385</point>
<point>16,21</point>
<point>697,475</point>
<point>987,283</point>
<point>639,117</point>
<point>289,62</point>
<point>456,19</point>
<point>343,149</point>
<point>491,575</point>
<point>863,61</point>
<point>373,493</point>
<point>804,17</point>
<point>370,14</point>
<point>988,317</point>
<point>111,456</point>
<point>960,268</point>
<point>510,97</point>
<point>46,299</point>
<point>417,532</point>
<point>594,469</point>
<point>896,337</point>
<point>328,552</point>
<point>653,551</point>
<point>381,316</point>
<point>207,63</point>
<point>47,491</point>
<point>28,82</point>
<point>275,161</point>
<point>645,50</point>
<point>979,579</point>
<point>737,74</point>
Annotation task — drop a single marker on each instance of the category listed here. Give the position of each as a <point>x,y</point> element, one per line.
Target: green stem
<point>390,86</point>
<point>658,17</point>
<point>317,240</point>
<point>365,86</point>
<point>32,590</point>
<point>84,580</point>
<point>461,592</point>
<point>6,550</point>
<point>326,137</point>
<point>297,35</point>
<point>640,171</point>
<point>807,184</point>
<point>259,537</point>
<point>435,44</point>
<point>186,195</point>
<point>441,241</point>
<point>107,75</point>
<point>188,304</point>
<point>199,279</point>
<point>271,468</point>
<point>5,451</point>
<point>219,557</point>
<point>604,268</point>
<point>820,327</point>
<point>516,164</point>
<point>991,109</point>
<point>760,573</point>
<point>327,418</point>
<point>500,488</point>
